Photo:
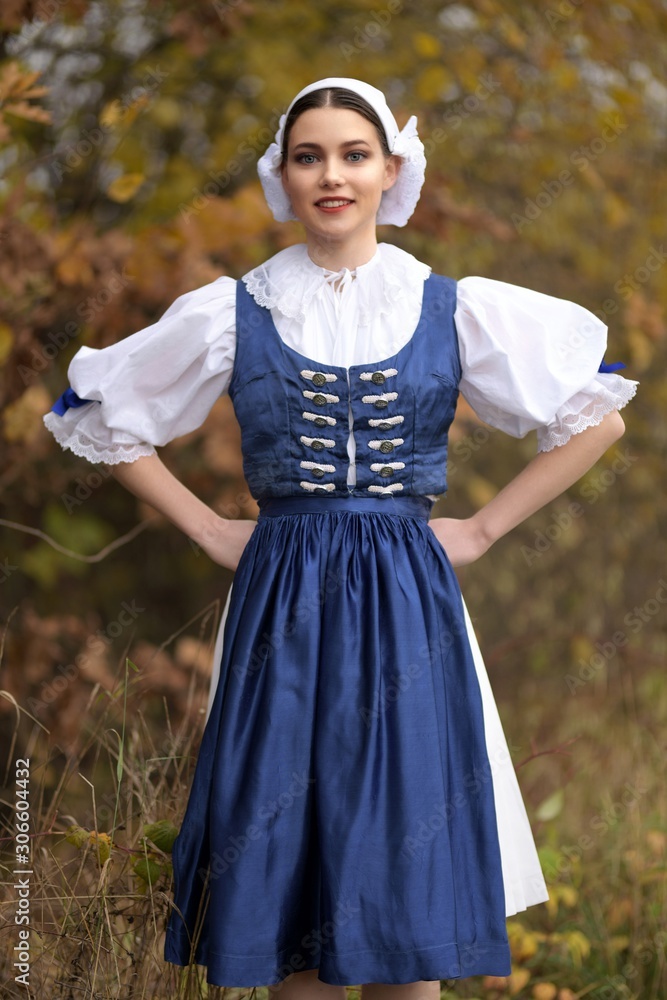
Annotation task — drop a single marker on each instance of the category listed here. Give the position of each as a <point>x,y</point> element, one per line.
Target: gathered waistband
<point>408,506</point>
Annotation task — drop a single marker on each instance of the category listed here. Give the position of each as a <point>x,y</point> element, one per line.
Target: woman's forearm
<point>150,480</point>
<point>546,477</point>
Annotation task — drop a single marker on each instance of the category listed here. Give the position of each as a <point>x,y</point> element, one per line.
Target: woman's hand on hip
<point>460,538</point>
<point>226,539</point>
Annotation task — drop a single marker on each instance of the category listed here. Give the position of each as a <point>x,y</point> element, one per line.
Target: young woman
<point>354,816</point>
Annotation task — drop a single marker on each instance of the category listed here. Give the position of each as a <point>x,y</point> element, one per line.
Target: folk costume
<point>354,806</point>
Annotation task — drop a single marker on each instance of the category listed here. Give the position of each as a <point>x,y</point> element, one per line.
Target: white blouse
<point>529,360</point>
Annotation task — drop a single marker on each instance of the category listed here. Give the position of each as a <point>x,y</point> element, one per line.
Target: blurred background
<point>129,134</point>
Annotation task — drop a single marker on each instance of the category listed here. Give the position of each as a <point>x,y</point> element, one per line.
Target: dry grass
<point>100,891</point>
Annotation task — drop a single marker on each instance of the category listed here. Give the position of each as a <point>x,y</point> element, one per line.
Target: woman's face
<point>335,172</point>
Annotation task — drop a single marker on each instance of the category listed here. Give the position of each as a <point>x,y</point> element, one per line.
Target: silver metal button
<point>319,399</point>
<point>379,378</point>
<point>386,446</point>
<point>317,445</point>
<point>380,404</point>
<point>386,470</point>
<point>318,473</point>
<point>319,378</point>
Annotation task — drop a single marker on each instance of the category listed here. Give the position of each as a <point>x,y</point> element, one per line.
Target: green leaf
<point>162,833</point>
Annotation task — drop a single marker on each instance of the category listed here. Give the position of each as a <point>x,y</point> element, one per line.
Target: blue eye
<point>301,157</point>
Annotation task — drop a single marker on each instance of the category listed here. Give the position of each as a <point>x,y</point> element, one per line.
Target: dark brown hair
<point>334,97</point>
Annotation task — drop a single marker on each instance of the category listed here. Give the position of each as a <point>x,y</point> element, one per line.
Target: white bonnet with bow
<point>398,203</point>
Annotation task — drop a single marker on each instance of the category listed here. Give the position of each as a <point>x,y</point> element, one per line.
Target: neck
<point>335,255</point>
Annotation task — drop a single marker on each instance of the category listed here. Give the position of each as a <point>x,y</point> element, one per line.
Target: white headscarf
<point>398,203</point>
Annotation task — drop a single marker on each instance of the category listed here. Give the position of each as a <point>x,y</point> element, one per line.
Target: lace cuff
<point>93,451</point>
<point>587,408</point>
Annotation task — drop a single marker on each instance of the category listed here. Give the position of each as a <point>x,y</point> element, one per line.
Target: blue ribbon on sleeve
<point>69,399</point>
<point>611,368</point>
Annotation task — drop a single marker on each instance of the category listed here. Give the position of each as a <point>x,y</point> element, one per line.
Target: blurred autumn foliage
<point>130,131</point>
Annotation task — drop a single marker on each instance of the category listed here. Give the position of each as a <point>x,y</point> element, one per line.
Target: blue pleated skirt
<point>341,815</point>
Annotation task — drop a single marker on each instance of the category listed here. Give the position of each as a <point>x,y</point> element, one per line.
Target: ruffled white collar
<point>290,279</point>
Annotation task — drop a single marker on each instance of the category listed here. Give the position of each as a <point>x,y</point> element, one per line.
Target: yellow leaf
<point>615,210</point>
<point>23,418</point>
<point>111,114</point>
<point>592,177</point>
<point>125,187</point>
<point>101,844</point>
<point>426,45</point>
<point>655,839</point>
<point>133,110</point>
<point>167,112</point>
<point>527,948</point>
<point>518,980</point>
<point>544,991</point>
<point>6,342</point>
<point>579,946</point>
<point>566,76</point>
<point>511,33</point>
<point>431,83</point>
<point>568,894</point>
<point>74,267</point>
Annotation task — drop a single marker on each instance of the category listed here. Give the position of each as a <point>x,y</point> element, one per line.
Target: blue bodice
<point>294,411</point>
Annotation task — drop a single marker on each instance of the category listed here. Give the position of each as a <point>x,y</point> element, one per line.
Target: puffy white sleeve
<point>153,385</point>
<point>531,361</point>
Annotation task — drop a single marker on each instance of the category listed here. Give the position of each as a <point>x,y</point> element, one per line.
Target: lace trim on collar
<point>290,279</point>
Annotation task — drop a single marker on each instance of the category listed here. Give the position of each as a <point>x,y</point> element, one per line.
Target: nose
<point>331,173</point>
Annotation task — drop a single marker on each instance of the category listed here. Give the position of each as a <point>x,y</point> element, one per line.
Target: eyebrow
<point>315,145</point>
